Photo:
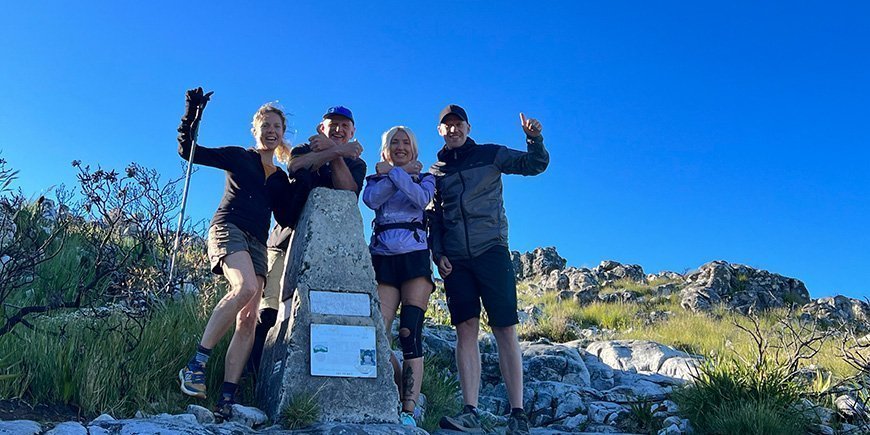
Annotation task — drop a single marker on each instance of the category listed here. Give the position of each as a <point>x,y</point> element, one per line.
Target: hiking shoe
<point>518,424</point>
<point>192,378</point>
<point>465,421</point>
<point>224,409</point>
<point>407,419</point>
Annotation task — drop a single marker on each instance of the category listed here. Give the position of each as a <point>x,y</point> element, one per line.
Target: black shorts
<point>490,278</point>
<point>393,270</point>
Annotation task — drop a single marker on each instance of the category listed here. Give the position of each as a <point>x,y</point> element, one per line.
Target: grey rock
<point>851,408</point>
<point>620,297</point>
<point>609,271</point>
<point>20,427</point>
<point>838,311</point>
<point>202,415</point>
<point>103,417</point>
<point>644,356</point>
<point>670,430</point>
<point>248,416</point>
<point>572,424</point>
<point>537,263</point>
<point>665,289</point>
<point>666,276</point>
<point>530,315</point>
<point>547,362</point>
<point>328,253</point>
<point>740,287</point>
<point>358,429</point>
<point>68,428</point>
<point>605,412</point>
<point>163,424</point>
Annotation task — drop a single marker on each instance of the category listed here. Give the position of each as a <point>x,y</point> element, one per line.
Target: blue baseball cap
<point>339,111</point>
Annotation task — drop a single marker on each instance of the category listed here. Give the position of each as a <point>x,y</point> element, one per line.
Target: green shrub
<point>641,417</point>
<point>93,364</point>
<point>441,388</point>
<point>301,411</point>
<point>754,418</point>
<point>730,394</point>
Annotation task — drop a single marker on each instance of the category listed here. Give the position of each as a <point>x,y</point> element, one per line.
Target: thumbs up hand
<point>531,126</point>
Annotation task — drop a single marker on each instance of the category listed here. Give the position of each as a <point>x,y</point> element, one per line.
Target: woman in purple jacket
<point>399,194</point>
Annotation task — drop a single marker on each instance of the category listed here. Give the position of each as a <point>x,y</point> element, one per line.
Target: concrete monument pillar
<point>329,339</point>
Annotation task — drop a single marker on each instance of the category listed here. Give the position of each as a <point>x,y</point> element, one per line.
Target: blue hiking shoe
<point>192,379</point>
<point>407,419</point>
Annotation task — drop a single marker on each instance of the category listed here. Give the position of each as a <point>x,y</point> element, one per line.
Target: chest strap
<point>411,226</point>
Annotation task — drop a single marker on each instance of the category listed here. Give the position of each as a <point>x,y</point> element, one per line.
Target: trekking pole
<point>194,132</point>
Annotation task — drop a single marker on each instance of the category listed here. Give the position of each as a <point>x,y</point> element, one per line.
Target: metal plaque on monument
<point>329,340</point>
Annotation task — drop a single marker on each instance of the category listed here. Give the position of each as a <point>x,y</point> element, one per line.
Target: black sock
<point>471,409</point>
<point>517,411</point>
<point>228,391</point>
<point>201,356</point>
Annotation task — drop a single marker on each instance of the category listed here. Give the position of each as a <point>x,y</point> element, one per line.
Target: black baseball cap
<point>453,109</point>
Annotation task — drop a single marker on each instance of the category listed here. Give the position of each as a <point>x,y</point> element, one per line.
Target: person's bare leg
<point>243,338</point>
<point>510,362</point>
<point>468,359</point>
<point>415,292</point>
<point>239,271</point>
<point>389,297</point>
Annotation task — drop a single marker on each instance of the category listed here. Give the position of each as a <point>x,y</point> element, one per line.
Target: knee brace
<point>411,331</point>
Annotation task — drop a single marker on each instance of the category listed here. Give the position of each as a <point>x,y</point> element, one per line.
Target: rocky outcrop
<point>537,263</point>
<point>740,287</point>
<point>838,311</point>
<point>569,386</point>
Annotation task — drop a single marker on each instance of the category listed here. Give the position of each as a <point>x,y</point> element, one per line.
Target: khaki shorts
<point>225,239</point>
<point>272,292</point>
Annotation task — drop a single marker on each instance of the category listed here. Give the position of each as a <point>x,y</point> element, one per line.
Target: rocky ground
<point>584,386</point>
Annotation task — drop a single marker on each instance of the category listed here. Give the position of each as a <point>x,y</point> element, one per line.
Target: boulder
<point>642,356</point>
<point>68,428</point>
<point>537,263</point>
<point>740,287</point>
<point>549,362</point>
<point>20,427</point>
<point>837,311</point>
<point>609,271</point>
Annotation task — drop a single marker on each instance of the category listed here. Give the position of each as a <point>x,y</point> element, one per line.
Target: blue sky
<point>679,133</point>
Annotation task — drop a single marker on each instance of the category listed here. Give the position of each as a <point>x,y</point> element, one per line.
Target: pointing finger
<point>522,119</point>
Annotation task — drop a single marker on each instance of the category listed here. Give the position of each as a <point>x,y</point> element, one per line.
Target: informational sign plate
<point>340,303</point>
<point>343,351</point>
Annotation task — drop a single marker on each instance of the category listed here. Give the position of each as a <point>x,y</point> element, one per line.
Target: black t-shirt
<point>249,196</point>
<point>305,181</point>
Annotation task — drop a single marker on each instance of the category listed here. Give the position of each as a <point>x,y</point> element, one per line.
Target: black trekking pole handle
<point>194,132</point>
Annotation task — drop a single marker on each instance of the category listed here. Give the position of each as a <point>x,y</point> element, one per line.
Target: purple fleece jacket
<point>397,198</point>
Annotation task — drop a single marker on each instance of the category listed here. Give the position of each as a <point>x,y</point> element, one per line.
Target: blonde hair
<point>282,153</point>
<point>388,137</point>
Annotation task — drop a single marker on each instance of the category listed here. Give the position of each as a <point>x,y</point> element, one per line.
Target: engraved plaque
<point>341,303</point>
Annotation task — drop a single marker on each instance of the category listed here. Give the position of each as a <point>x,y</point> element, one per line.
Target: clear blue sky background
<point>679,133</point>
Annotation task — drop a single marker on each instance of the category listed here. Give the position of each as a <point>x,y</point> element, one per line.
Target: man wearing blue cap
<point>469,239</point>
<point>329,159</point>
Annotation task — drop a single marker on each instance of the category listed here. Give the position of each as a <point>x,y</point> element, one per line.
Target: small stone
<point>20,427</point>
<point>202,414</point>
<point>248,416</point>
<point>103,417</point>
<point>68,428</point>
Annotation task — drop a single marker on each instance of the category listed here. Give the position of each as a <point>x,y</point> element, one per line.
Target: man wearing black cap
<point>469,240</point>
<point>329,159</point>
